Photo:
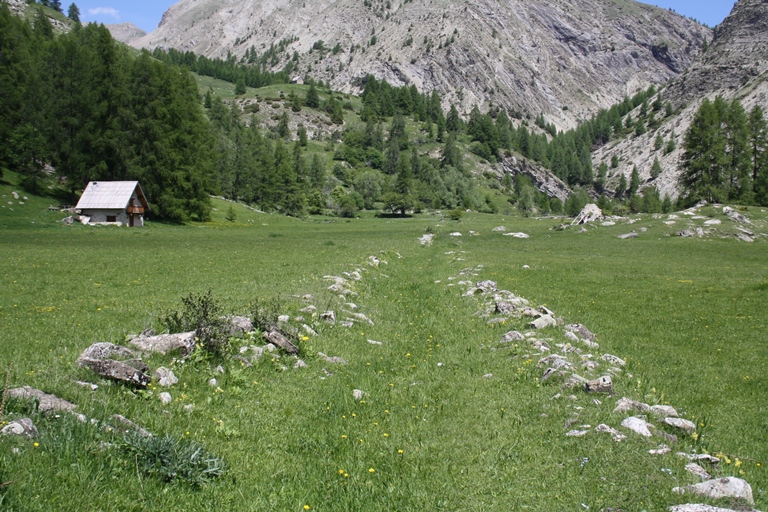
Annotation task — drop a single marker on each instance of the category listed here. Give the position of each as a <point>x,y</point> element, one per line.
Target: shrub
<point>456,214</point>
<point>264,313</point>
<point>203,314</point>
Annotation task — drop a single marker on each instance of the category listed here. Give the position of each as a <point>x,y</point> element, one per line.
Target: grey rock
<point>308,330</point>
<point>614,360</point>
<point>486,286</point>
<point>627,405</point>
<point>277,338</point>
<point>165,377</point>
<point>329,317</point>
<point>637,425</point>
<point>602,385</point>
<point>213,382</point>
<point>581,331</point>
<point>627,236</point>
<point>23,427</point>
<point>734,488</point>
<point>239,325</point>
<point>45,402</point>
<point>309,310</point>
<point>697,470</point>
<point>664,411</point>
<point>682,424</point>
<point>106,350</point>
<point>575,381</point>
<point>332,359</point>
<point>220,370</point>
<point>700,457</point>
<point>662,449</point>
<point>512,336</point>
<point>165,397</point>
<point>299,364</point>
<point>118,371</point>
<point>166,343</point>
<point>589,213</point>
<point>543,322</point>
<point>617,436</point>
<point>698,507</point>
<point>686,233</point>
<point>358,394</point>
<point>129,426</point>
<point>576,433</point>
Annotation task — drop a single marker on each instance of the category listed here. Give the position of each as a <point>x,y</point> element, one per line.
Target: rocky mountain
<point>126,32</point>
<point>735,65</point>
<point>565,59</point>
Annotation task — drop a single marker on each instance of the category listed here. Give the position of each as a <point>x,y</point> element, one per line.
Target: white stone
<point>697,470</point>
<point>165,377</point>
<point>517,235</point>
<point>576,433</point>
<point>697,507</point>
<point>638,425</point>
<point>661,450</point>
<point>543,322</point>
<point>358,394</point>
<point>611,359</point>
<point>700,457</point>
<point>455,233</point>
<point>664,411</point>
<point>299,364</point>
<point>165,397</point>
<point>713,222</point>
<point>682,424</point>
<point>730,487</point>
<point>213,383</point>
<point>626,405</point>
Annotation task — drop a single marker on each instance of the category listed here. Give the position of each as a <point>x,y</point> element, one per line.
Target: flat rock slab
<point>117,371</point>
<point>731,487</point>
<point>104,350</point>
<point>165,343</point>
<point>698,507</point>
<point>580,331</point>
<point>602,385</point>
<point>637,425</point>
<point>682,424</point>
<point>279,339</point>
<point>23,427</point>
<point>46,402</point>
<point>543,322</point>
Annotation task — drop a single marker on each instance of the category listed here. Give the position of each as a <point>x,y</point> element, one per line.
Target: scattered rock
<point>686,233</point>
<point>713,222</point>
<point>589,213</point>
<point>614,360</point>
<point>731,487</point>
<point>682,424</point>
<point>517,235</point>
<point>698,471</point>
<point>97,358</point>
<point>426,239</point>
<point>638,425</point>
<point>575,381</point>
<point>543,322</point>
<point>691,507</point>
<point>23,427</point>
<point>580,331</point>
<point>512,336</point>
<point>165,397</point>
<point>239,325</point>
<point>735,216</point>
<point>661,450</point>
<point>165,377</point>
<point>308,330</point>
<point>499,229</point>
<point>664,411</point>
<point>213,382</point>
<point>617,436</point>
<point>299,364</point>
<point>576,433</point>
<point>332,359</point>
<point>129,426</point>
<point>626,236</point>
<point>487,286</point>
<point>88,385</point>
<point>166,343</point>
<point>358,394</point>
<point>329,317</point>
<point>277,338</point>
<point>602,385</point>
<point>106,351</point>
<point>45,401</point>
<point>455,234</point>
<point>626,405</point>
<point>374,342</point>
<point>700,457</point>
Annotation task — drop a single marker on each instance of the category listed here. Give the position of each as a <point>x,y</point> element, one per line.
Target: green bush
<point>202,313</point>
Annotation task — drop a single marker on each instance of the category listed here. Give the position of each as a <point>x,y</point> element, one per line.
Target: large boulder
<point>590,213</point>
<point>734,488</point>
<point>102,358</point>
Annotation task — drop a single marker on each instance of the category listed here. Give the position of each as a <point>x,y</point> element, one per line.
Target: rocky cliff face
<point>565,59</point>
<point>126,32</point>
<point>735,65</point>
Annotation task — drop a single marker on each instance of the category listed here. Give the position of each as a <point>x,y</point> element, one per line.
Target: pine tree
<point>704,156</point>
<point>73,13</point>
<point>313,99</point>
<point>634,182</point>
<point>758,139</point>
<point>622,186</point>
<point>655,168</point>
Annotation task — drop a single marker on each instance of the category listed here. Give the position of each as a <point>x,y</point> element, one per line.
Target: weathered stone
<point>638,425</point>
<point>512,336</point>
<point>117,371</point>
<point>576,433</point>
<point>550,372</point>
<point>627,236</point>
<point>128,425</point>
<point>617,436</point>
<point>499,229</point>
<point>45,401</point>
<point>23,427</point>
<point>580,331</point>
<point>486,286</point>
<point>299,364</point>
<point>165,397</point>
<point>686,233</point>
<point>700,457</point>
<point>106,350</point>
<point>734,488</point>
<point>329,316</point>
<point>165,377</point>
<point>308,330</point>
<point>517,235</point>
<point>661,450</point>
<point>358,394</point>
<point>239,325</point>
<point>555,361</point>
<point>697,470</point>
<point>682,424</point>
<point>360,317</point>
<point>543,322</point>
<point>664,411</point>
<point>213,382</point>
<point>614,360</point>
<point>572,337</point>
<point>602,385</point>
<point>277,338</point>
<point>589,213</point>
<point>332,359</point>
<point>626,405</point>
<point>166,343</point>
<point>574,381</point>
<point>698,507</point>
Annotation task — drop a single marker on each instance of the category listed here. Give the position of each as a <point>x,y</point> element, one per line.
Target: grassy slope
<point>688,314</point>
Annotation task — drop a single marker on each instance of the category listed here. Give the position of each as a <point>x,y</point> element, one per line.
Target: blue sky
<point>146,14</point>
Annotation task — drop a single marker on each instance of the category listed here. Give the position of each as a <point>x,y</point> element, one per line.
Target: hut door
<point>130,220</point>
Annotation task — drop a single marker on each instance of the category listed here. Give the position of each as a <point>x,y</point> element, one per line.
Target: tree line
<point>81,104</point>
<point>726,154</point>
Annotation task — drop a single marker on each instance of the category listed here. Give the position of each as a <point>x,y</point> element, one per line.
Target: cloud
<point>105,11</point>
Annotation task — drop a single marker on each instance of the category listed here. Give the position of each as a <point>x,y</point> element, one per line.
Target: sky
<point>146,14</point>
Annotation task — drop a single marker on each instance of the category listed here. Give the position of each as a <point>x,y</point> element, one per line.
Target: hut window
<point>111,218</point>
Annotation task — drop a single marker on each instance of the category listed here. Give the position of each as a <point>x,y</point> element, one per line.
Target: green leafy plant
<point>202,313</point>
<point>173,460</point>
<point>264,313</point>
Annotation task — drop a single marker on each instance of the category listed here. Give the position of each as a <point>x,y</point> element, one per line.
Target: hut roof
<point>110,195</point>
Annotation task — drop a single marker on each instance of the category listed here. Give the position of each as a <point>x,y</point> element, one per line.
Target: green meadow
<point>450,420</point>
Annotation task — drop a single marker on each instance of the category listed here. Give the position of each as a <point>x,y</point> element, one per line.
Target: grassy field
<point>433,431</point>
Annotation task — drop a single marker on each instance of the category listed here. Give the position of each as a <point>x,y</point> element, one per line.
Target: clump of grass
<point>173,460</point>
<point>264,313</point>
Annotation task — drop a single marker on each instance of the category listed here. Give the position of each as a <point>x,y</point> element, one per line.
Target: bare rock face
<point>526,57</point>
<point>731,487</point>
<point>125,32</point>
<point>590,213</point>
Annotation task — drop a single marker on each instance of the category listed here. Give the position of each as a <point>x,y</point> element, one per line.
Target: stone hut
<point>113,202</point>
